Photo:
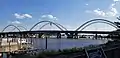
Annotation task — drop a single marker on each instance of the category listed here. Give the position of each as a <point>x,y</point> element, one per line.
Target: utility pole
<point>46,45</point>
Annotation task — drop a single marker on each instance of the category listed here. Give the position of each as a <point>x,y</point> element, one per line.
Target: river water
<point>55,44</point>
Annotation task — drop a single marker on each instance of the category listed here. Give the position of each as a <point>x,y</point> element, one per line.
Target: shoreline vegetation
<point>69,52</point>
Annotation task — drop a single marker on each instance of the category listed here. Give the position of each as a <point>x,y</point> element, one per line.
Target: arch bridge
<point>70,34</point>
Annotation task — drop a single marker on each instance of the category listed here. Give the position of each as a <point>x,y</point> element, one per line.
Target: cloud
<point>116,0</point>
<point>49,17</point>
<point>22,16</point>
<point>110,12</point>
<point>99,12</point>
<point>16,22</point>
<point>112,5</point>
<point>27,15</point>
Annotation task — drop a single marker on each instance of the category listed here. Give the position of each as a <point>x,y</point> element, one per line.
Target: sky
<point>69,13</point>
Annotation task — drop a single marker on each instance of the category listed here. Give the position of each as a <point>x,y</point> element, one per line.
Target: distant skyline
<point>69,13</point>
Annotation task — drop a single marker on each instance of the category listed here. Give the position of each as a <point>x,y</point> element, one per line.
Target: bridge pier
<point>8,41</point>
<point>96,36</point>
<point>75,36</point>
<point>20,45</point>
<point>1,35</point>
<point>24,36</point>
<point>40,35</point>
<point>58,35</point>
<point>70,35</point>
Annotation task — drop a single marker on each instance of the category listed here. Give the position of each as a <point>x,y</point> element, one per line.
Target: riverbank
<point>80,52</point>
<point>77,52</point>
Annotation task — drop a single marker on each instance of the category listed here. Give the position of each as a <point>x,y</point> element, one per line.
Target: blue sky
<point>69,13</point>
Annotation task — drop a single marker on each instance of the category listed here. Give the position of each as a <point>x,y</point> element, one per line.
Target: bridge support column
<point>8,41</point>
<point>75,36</point>
<point>58,35</point>
<point>4,35</point>
<point>24,35</point>
<point>70,35</point>
<point>0,35</point>
<point>20,41</point>
<point>96,37</point>
<point>40,35</point>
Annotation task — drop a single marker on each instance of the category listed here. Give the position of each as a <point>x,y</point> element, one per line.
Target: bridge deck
<point>57,31</point>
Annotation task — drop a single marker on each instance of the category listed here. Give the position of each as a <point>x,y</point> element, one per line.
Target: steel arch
<point>98,22</point>
<point>56,24</point>
<point>44,25</point>
<point>9,26</point>
<point>61,26</point>
<point>103,20</point>
<point>49,23</point>
<point>21,27</point>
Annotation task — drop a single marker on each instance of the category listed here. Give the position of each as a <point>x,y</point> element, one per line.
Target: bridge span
<point>62,32</point>
<point>70,34</point>
<point>58,35</point>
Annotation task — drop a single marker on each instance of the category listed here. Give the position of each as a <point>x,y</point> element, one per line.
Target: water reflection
<point>64,43</point>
